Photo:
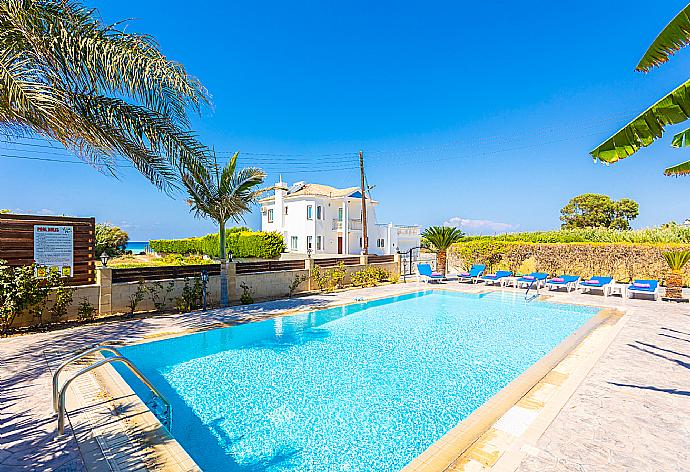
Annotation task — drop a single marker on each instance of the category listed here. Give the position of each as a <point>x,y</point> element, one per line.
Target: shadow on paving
<point>28,436</point>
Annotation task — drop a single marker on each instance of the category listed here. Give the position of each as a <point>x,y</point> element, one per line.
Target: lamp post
<point>308,253</point>
<point>204,282</point>
<point>229,256</point>
<point>104,259</point>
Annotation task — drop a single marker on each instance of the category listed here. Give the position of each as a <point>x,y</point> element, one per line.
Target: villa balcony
<point>353,225</point>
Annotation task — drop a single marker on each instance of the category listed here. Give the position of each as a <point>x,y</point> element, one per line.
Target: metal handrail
<point>167,421</point>
<point>530,287</point>
<point>56,375</point>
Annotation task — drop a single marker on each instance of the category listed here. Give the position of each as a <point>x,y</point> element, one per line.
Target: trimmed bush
<point>623,261</point>
<point>239,241</point>
<point>665,234</point>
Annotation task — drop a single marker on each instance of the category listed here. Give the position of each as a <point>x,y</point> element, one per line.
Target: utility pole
<point>365,240</point>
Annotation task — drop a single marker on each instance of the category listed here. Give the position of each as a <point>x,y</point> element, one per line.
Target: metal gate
<point>410,258</point>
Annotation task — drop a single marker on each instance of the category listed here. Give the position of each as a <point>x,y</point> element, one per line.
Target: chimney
<point>280,192</point>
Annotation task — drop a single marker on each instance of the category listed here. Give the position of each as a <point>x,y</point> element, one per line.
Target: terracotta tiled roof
<point>317,190</point>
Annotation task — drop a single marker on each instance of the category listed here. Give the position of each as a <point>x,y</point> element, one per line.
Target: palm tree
<point>441,238</point>
<point>222,194</point>
<point>100,92</point>
<point>672,109</point>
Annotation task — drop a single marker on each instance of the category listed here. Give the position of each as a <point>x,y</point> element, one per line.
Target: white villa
<point>326,220</point>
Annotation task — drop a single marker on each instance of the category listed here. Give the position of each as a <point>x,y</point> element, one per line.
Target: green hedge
<point>667,234</point>
<point>241,242</point>
<point>623,261</point>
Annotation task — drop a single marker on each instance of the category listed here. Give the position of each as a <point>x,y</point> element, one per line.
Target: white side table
<point>507,281</point>
<point>616,288</point>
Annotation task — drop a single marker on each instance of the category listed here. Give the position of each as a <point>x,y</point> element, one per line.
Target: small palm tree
<point>441,238</point>
<point>100,92</point>
<point>676,260</point>
<point>222,194</point>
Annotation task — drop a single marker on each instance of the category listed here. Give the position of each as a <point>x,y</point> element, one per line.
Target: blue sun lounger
<point>496,278</point>
<point>647,287</point>
<point>597,283</point>
<point>425,274</point>
<point>473,275</point>
<point>567,281</point>
<point>538,278</point>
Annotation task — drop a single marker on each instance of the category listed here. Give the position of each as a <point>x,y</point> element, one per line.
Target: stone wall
<point>109,298</point>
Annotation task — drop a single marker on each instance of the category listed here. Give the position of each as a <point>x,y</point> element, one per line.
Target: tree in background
<point>672,109</point>
<point>99,91</point>
<point>441,238</point>
<point>592,210</point>
<point>4,211</point>
<point>222,194</point>
<point>110,239</point>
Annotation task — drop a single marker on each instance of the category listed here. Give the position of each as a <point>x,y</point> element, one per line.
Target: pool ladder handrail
<point>59,398</point>
<point>529,288</point>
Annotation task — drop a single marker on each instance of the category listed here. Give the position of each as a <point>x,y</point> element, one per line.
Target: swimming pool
<point>363,387</point>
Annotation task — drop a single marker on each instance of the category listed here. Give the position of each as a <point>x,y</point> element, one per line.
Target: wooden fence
<point>334,261</point>
<point>268,266</point>
<point>17,242</point>
<point>161,273</point>
<point>374,259</point>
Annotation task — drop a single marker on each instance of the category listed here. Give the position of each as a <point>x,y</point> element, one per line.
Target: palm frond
<point>675,36</point>
<point>223,194</point>
<point>98,90</point>
<point>678,170</point>
<point>647,127</point>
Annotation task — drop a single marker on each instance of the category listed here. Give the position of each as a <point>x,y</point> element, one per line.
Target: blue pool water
<point>365,387</point>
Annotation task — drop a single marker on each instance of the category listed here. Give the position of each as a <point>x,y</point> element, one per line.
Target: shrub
<point>239,241</point>
<point>328,280</point>
<point>110,239</point>
<point>191,296</point>
<point>246,297</point>
<point>296,281</point>
<point>159,294</point>
<point>137,297</point>
<point>21,290</point>
<point>63,299</point>
<point>370,276</point>
<point>86,311</point>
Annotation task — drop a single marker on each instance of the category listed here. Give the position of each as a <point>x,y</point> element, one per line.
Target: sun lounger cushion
<point>641,285</point>
<point>558,280</point>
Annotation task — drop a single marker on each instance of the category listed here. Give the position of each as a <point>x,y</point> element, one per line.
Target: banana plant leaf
<point>647,127</point>
<point>680,169</point>
<point>673,37</point>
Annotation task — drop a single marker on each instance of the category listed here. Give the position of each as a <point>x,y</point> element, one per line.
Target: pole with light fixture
<point>104,259</point>
<point>204,283</point>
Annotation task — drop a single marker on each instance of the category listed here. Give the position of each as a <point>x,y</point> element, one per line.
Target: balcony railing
<point>353,225</point>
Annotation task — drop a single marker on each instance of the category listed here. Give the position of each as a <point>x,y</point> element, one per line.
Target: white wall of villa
<point>328,221</point>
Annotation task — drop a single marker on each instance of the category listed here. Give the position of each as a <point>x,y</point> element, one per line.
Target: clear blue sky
<point>465,110</point>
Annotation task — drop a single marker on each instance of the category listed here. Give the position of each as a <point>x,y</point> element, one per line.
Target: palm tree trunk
<point>441,262</point>
<point>674,285</point>
<point>223,266</point>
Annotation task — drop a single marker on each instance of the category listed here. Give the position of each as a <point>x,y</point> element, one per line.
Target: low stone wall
<point>266,285</point>
<point>112,298</point>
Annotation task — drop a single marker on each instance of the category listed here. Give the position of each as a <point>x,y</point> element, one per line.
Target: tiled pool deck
<point>630,412</point>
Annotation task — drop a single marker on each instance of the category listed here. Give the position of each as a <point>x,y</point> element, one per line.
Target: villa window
<point>293,243</point>
<point>360,242</point>
<point>340,214</point>
<point>319,243</point>
<point>310,216</point>
<point>319,212</point>
<point>309,240</point>
<point>270,215</point>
